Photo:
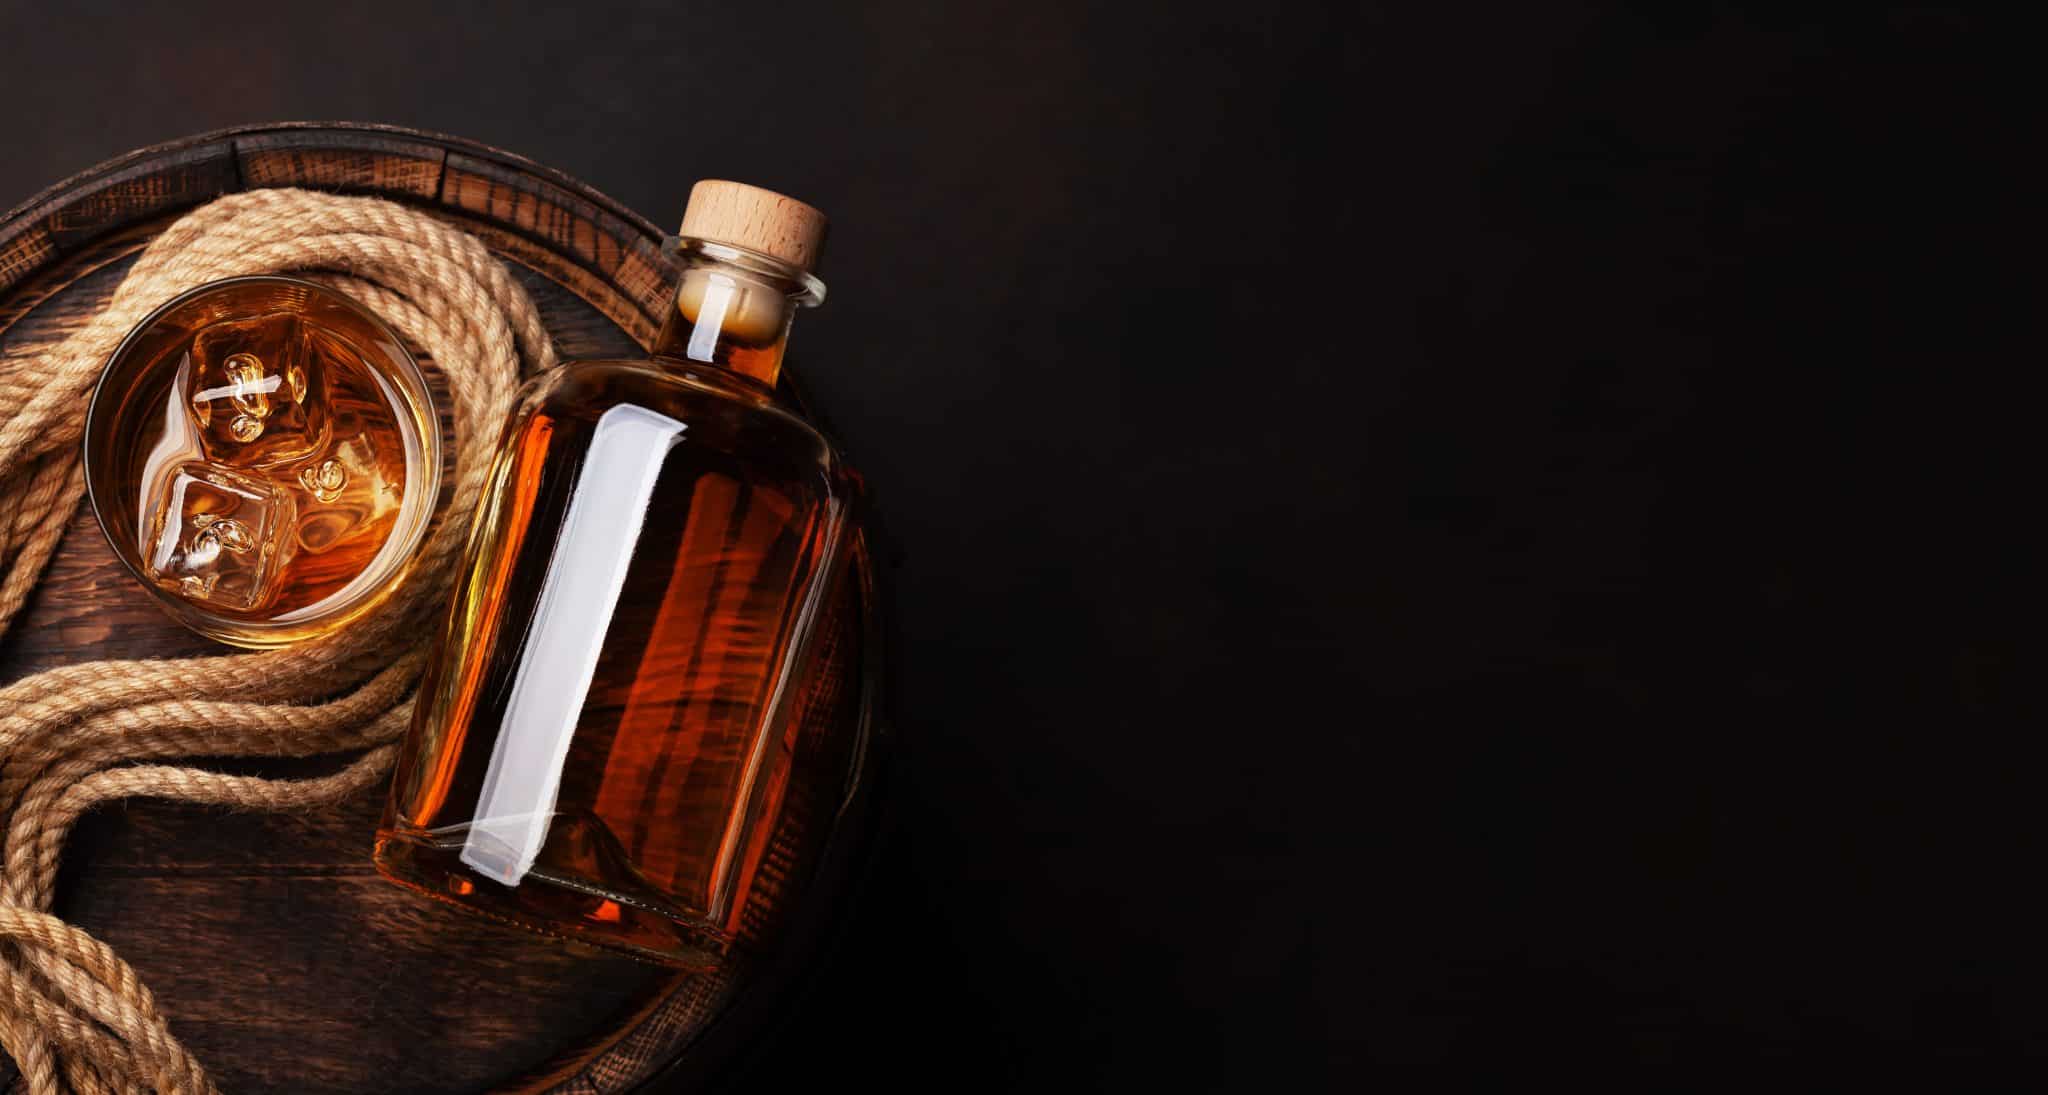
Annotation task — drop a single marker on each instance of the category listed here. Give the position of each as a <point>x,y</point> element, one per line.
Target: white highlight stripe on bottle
<point>607,507</point>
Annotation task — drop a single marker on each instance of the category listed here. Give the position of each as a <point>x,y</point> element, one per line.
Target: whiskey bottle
<point>601,733</point>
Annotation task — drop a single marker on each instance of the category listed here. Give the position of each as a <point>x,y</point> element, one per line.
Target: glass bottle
<point>600,736</point>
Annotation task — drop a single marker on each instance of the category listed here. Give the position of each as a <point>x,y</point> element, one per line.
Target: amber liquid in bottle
<point>599,739</point>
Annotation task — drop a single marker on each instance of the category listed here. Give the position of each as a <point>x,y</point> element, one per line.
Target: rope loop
<point>74,1017</point>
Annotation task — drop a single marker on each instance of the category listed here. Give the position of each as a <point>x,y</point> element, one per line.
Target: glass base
<point>562,908</point>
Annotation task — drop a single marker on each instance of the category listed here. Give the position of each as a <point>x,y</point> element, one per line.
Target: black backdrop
<point>1475,537</point>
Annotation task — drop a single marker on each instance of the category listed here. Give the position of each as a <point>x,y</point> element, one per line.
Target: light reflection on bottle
<point>607,508</point>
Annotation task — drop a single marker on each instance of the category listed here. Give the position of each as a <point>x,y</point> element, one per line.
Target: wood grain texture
<point>283,960</point>
<point>372,163</point>
<point>507,196</point>
<point>144,190</point>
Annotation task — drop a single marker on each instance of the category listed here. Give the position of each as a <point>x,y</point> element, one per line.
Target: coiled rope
<point>73,1015</point>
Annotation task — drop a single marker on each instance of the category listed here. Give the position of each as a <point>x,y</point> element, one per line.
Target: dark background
<point>1480,537</point>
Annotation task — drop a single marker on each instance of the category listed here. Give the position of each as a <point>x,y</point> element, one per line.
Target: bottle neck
<point>733,309</point>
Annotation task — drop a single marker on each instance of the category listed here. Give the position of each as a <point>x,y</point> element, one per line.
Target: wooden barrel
<point>283,960</point>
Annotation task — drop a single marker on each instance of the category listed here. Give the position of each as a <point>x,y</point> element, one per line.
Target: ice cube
<point>258,391</point>
<point>346,491</point>
<point>218,537</point>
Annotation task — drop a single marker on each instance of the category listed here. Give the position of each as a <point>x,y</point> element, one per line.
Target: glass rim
<point>281,631</point>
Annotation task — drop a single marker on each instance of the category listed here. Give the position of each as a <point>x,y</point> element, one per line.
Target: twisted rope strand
<point>74,1017</point>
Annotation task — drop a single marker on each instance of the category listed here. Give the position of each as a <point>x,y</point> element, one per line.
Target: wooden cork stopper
<point>756,219</point>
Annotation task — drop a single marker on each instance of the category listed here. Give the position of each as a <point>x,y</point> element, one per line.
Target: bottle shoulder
<point>728,414</point>
<point>591,387</point>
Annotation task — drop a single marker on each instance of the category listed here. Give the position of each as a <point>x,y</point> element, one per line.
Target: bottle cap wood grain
<point>756,219</point>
